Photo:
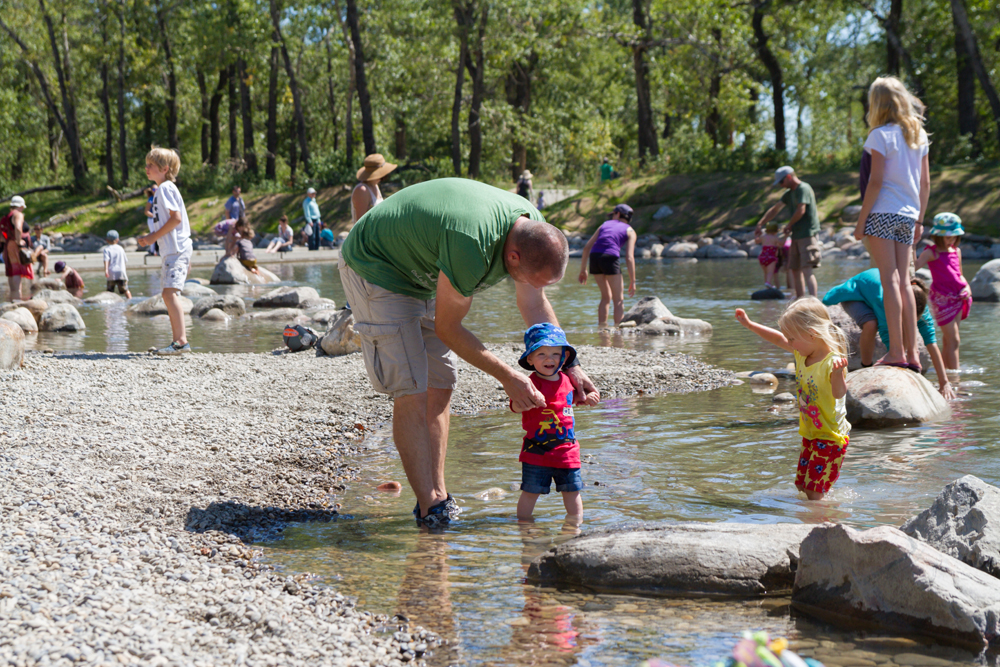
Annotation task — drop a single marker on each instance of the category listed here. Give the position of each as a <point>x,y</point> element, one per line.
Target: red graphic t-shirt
<point>549,439</point>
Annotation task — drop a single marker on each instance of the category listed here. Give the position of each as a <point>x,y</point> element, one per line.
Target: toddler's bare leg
<point>814,495</point>
<point>573,503</point>
<point>526,505</point>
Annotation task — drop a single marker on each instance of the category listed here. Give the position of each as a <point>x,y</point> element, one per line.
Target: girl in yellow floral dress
<point>820,348</point>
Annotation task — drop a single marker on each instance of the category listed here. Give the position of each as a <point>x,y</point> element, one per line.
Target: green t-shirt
<point>453,225</point>
<point>607,171</point>
<point>808,224</point>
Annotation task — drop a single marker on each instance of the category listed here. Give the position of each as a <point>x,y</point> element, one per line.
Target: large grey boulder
<point>963,522</point>
<point>680,249</point>
<point>287,297</point>
<point>11,345</point>
<point>61,317</point>
<point>104,298</point>
<point>155,306</point>
<point>885,396</point>
<point>885,578</point>
<point>340,338</point>
<point>647,309</point>
<point>229,271</point>
<point>688,558</point>
<point>56,296</point>
<point>985,285</point>
<point>195,291</point>
<point>23,318</point>
<point>231,305</point>
<point>47,283</point>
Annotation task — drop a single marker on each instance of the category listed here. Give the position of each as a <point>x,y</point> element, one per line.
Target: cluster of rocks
<point>935,576</point>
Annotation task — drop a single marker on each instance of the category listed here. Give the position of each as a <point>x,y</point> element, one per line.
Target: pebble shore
<point>134,488</point>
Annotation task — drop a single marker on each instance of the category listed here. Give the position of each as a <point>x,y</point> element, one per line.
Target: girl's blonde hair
<point>165,158</point>
<point>771,228</point>
<point>890,102</point>
<point>809,315</point>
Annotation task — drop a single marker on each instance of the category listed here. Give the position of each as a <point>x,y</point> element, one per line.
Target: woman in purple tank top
<point>604,252</point>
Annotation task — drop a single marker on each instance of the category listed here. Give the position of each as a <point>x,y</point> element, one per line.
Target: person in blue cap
<point>550,451</point>
<point>603,252</point>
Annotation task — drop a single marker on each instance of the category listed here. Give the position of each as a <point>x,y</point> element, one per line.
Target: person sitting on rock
<point>285,239</point>
<point>244,246</point>
<point>820,348</point>
<point>861,299</point>
<point>70,277</point>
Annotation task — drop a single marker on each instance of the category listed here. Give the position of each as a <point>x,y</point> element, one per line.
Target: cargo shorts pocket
<point>384,348</point>
<point>815,253</point>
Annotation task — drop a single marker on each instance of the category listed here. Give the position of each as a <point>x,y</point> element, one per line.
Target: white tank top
<point>376,199</point>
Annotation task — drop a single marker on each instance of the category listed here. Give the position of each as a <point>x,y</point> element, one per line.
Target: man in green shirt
<point>806,251</point>
<point>410,268</point>
<point>607,171</point>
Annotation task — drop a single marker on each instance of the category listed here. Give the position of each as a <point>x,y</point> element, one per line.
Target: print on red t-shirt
<point>549,439</point>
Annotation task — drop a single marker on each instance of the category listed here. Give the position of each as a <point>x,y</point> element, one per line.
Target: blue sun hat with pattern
<point>545,335</point>
<point>947,224</point>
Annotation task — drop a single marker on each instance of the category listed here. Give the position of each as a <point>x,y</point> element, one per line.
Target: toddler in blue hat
<point>550,451</point>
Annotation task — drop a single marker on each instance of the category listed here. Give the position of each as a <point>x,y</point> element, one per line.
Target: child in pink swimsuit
<point>950,297</point>
<point>769,253</point>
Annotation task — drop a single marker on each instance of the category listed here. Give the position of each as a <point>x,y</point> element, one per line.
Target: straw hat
<point>375,167</point>
<point>526,174</point>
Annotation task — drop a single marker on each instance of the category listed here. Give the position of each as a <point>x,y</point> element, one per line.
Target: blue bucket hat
<point>545,335</point>
<point>947,224</point>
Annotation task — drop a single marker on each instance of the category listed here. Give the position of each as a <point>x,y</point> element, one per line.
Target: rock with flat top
<point>55,296</point>
<point>886,396</point>
<point>155,306</point>
<point>678,559</point>
<point>963,522</point>
<point>195,291</point>
<point>886,579</point>
<point>62,317</point>
<point>288,297</point>
<point>232,306</point>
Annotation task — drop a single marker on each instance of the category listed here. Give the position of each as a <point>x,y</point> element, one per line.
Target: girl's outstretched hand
<point>741,317</point>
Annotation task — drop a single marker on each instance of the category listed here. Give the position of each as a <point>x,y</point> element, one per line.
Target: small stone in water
<point>389,486</point>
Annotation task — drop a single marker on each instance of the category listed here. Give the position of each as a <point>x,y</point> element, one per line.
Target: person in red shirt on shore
<point>550,451</point>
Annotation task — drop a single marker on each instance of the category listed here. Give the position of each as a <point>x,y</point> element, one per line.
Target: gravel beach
<point>134,487</point>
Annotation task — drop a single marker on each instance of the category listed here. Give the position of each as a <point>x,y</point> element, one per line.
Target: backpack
<point>299,338</point>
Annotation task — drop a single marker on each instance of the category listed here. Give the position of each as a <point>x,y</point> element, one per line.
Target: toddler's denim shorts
<point>538,479</point>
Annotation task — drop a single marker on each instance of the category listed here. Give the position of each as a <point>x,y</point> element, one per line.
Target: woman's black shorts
<point>609,265</point>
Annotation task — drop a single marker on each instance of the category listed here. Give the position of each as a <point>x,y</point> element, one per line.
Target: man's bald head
<point>535,248</point>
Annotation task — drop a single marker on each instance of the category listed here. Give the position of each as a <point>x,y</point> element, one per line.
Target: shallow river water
<point>724,455</point>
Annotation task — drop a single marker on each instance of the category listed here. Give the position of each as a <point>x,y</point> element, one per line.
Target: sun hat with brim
<point>947,224</point>
<point>17,201</point>
<point>545,335</point>
<point>375,167</point>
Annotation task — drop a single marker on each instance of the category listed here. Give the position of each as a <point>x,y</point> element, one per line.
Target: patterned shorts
<point>890,226</point>
<point>819,465</point>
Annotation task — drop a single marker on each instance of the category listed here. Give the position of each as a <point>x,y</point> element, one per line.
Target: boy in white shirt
<point>172,233</point>
<point>114,266</point>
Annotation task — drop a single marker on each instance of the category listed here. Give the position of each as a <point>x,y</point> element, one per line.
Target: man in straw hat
<point>366,193</point>
<point>16,259</point>
<point>410,268</point>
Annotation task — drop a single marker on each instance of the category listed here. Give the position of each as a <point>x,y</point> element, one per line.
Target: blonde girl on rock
<point>820,348</point>
<point>892,213</point>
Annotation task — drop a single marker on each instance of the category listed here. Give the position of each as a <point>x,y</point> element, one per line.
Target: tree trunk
<point>68,122</point>
<point>234,107</point>
<point>109,132</point>
<point>161,22</point>
<point>331,96</point>
<point>961,20</point>
<point>205,99</point>
<point>400,137</point>
<point>769,61</point>
<point>293,83</point>
<point>893,53</point>
<point>122,133</point>
<point>246,106</point>
<point>518,88</point>
<point>367,123</point>
<point>147,124</point>
<point>477,72</point>
<point>215,132</point>
<point>271,170</point>
<point>966,83</point>
<point>351,87</point>
<point>293,151</point>
<point>54,139</point>
<point>463,16</point>
<point>648,142</point>
<point>713,120</point>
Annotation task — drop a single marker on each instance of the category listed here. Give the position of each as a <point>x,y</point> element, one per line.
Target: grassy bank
<point>713,202</point>
<point>700,203</point>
